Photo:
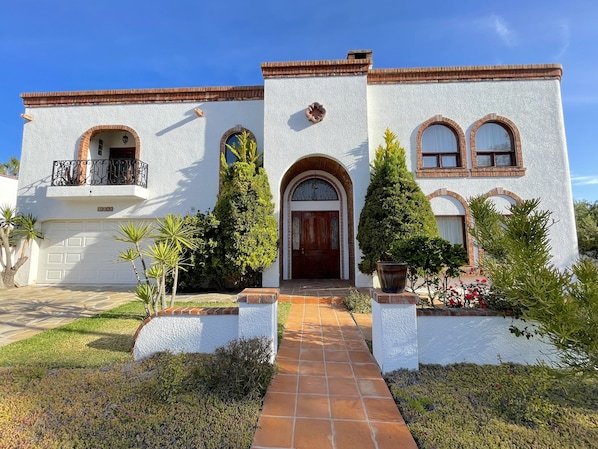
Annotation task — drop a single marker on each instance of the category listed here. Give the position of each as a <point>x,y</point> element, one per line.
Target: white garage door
<point>82,252</point>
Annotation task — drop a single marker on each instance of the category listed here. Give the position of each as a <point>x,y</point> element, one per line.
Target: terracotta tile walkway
<point>328,392</point>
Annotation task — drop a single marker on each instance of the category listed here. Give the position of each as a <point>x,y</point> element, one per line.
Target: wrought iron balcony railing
<point>100,172</point>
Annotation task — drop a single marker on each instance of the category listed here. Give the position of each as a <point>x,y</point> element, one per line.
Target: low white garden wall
<point>404,337</point>
<point>205,329</point>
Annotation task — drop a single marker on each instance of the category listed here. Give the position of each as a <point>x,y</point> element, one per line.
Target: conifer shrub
<point>247,233</point>
<point>517,259</point>
<point>395,207</point>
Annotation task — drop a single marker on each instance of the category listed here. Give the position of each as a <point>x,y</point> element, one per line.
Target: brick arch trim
<point>516,170</point>
<point>461,171</point>
<point>83,151</point>
<point>468,219</point>
<point>234,130</point>
<point>499,191</point>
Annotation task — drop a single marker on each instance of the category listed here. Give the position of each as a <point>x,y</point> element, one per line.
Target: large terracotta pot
<point>392,276</point>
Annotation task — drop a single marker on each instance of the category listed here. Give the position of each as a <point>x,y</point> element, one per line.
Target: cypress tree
<point>247,234</point>
<point>395,208</point>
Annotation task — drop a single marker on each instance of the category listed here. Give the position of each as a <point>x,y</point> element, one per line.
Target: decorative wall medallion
<point>315,112</point>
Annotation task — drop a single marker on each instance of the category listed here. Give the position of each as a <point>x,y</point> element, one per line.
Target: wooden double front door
<point>315,245</point>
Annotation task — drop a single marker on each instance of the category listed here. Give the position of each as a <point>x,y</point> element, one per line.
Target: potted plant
<point>395,208</point>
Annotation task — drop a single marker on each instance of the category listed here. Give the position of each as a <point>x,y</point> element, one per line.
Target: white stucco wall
<point>8,191</point>
<point>533,106</point>
<point>480,340</point>
<point>342,135</point>
<point>181,150</point>
<point>185,333</point>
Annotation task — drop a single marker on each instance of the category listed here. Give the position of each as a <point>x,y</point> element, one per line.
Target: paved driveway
<point>29,310</point>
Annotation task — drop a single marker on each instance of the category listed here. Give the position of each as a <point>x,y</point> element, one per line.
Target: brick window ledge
<point>498,171</point>
<point>442,173</point>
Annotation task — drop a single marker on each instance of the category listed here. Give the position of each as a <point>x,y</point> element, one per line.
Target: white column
<point>394,330</point>
<point>258,315</point>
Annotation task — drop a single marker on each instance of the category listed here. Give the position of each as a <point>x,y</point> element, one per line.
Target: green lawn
<point>77,386</point>
<point>497,407</point>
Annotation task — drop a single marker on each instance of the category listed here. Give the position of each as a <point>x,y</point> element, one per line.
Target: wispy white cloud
<point>584,180</point>
<point>499,26</point>
<point>563,34</point>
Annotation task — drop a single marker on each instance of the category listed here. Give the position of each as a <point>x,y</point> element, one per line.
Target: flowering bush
<point>475,294</point>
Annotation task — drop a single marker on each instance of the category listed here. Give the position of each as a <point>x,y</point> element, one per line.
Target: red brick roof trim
<point>342,67</point>
<point>179,95</point>
<point>474,73</point>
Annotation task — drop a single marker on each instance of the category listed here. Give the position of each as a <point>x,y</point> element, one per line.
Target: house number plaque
<point>105,208</point>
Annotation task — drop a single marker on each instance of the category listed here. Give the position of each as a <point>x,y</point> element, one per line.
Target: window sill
<point>498,171</point>
<point>442,172</point>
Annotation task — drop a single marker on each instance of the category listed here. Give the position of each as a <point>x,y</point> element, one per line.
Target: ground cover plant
<point>78,387</point>
<point>488,407</point>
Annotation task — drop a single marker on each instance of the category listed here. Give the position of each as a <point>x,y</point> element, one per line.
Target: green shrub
<point>241,369</point>
<point>170,376</point>
<point>358,302</point>
<point>394,208</point>
<point>563,303</point>
<point>510,406</point>
<point>247,234</point>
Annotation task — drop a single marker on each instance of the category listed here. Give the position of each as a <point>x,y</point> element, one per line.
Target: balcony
<point>99,178</point>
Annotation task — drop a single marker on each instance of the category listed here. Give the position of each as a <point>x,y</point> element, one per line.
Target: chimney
<point>359,54</point>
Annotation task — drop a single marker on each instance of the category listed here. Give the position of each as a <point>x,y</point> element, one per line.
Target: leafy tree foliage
<point>395,208</point>
<point>432,261</point>
<point>586,217</point>
<point>11,167</point>
<point>247,234</point>
<point>563,303</point>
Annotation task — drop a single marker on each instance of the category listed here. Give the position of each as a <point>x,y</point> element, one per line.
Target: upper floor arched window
<point>441,152</point>
<point>440,148</point>
<point>231,137</point>
<point>495,147</point>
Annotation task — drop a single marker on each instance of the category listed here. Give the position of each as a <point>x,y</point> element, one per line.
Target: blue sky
<point>66,45</point>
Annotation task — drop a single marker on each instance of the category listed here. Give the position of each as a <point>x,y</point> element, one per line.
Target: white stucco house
<point>93,159</point>
<point>8,190</point>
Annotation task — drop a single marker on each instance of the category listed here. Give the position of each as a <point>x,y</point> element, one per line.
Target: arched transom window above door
<point>315,189</point>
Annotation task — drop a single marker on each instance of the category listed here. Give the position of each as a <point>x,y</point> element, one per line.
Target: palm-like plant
<point>174,231</point>
<point>11,167</point>
<point>170,237</point>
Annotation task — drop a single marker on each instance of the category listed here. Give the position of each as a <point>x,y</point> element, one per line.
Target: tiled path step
<point>328,392</point>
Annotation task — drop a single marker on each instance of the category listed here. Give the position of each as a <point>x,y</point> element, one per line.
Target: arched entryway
<point>316,219</point>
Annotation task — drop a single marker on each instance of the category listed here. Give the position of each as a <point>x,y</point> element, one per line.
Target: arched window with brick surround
<point>441,152</point>
<point>453,217</point>
<point>231,137</point>
<point>495,147</point>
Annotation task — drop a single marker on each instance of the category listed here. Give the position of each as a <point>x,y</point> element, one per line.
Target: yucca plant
<point>175,231</point>
<point>170,237</point>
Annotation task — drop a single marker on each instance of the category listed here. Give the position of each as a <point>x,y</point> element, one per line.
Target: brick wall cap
<point>393,298</point>
<point>259,295</point>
